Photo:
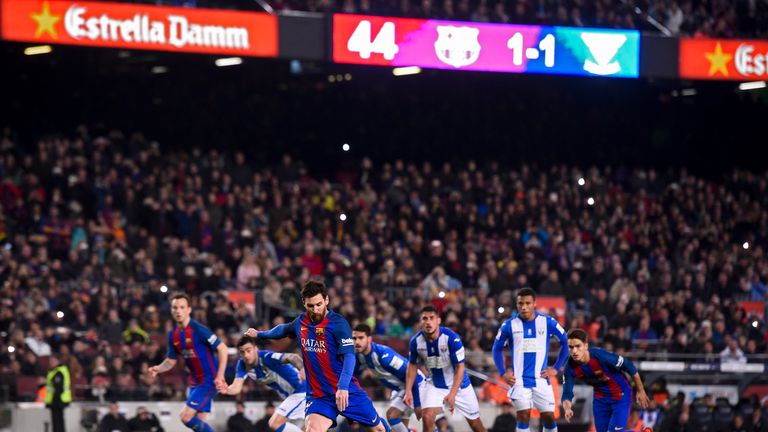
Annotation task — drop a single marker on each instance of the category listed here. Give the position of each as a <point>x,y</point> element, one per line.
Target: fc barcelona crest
<point>320,332</point>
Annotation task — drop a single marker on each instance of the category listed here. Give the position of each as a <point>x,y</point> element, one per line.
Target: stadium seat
<point>80,387</point>
<point>701,415</point>
<point>44,362</point>
<point>723,415</point>
<point>175,380</point>
<point>26,387</point>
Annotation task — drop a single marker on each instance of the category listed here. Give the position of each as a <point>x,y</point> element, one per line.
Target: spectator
<point>732,353</point>
<point>237,422</point>
<point>113,420</point>
<point>134,333</point>
<point>144,421</point>
<point>505,421</point>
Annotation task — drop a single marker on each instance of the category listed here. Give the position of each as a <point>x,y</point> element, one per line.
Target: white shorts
<point>466,400</point>
<point>293,406</point>
<point>396,401</point>
<point>541,397</point>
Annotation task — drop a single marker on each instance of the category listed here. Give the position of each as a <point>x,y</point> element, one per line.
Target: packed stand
<point>699,18</point>
<point>97,231</point>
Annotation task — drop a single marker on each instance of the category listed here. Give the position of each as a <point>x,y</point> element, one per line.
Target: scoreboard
<point>385,41</point>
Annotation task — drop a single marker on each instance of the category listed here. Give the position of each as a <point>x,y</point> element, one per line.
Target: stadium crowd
<point>700,18</point>
<point>96,231</point>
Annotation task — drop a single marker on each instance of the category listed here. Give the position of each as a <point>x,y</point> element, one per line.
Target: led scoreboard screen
<point>473,46</point>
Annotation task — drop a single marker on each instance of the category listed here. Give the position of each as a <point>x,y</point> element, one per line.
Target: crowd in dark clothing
<point>96,231</point>
<point>700,18</point>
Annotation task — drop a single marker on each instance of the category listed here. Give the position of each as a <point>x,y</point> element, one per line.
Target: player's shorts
<point>360,409</point>
<point>293,406</point>
<point>466,399</point>
<point>541,397</point>
<point>200,397</point>
<point>396,400</point>
<point>611,415</point>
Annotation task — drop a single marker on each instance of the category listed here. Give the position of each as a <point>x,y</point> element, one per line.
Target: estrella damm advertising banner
<point>135,26</point>
<point>723,59</point>
<point>485,47</point>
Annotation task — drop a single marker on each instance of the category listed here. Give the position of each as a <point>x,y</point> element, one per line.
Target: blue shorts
<point>611,415</point>
<point>200,397</point>
<point>360,409</point>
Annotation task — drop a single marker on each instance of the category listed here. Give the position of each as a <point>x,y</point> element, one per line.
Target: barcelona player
<point>206,358</point>
<point>325,338</point>
<point>605,371</point>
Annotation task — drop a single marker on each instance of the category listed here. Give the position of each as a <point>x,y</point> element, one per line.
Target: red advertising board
<point>723,59</point>
<point>134,26</point>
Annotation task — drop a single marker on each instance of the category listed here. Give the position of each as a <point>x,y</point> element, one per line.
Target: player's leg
<point>317,423</point>
<point>398,412</point>
<point>198,405</point>
<point>544,401</point>
<point>619,415</point>
<point>431,405</point>
<point>361,410</point>
<point>321,414</point>
<point>601,413</point>
<point>468,405</point>
<point>522,400</point>
<point>290,408</point>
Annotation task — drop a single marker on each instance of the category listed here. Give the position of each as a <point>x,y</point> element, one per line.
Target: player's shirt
<point>271,371</point>
<point>323,346</point>
<point>528,343</point>
<point>197,344</point>
<point>604,371</point>
<point>440,356</point>
<point>388,366</point>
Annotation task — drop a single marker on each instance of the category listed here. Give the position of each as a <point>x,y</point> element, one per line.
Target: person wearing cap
<point>144,421</point>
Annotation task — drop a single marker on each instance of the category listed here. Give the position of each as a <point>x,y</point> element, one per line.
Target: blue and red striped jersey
<point>323,346</point>
<point>197,344</point>
<point>604,371</point>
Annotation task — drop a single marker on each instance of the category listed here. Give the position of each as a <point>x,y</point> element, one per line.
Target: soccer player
<point>604,371</point>
<point>329,360</point>
<point>527,335</point>
<point>197,344</point>
<point>283,372</point>
<point>440,350</point>
<point>389,367</point>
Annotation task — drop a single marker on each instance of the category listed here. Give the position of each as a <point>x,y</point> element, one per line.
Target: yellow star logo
<point>718,61</point>
<point>46,23</point>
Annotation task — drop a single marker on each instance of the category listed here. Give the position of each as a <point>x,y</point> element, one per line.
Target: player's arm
<point>555,329</point>
<point>279,331</point>
<point>501,341</point>
<point>235,388</point>
<point>411,372</point>
<point>626,365</point>
<point>170,360</point>
<point>295,361</point>
<point>343,335</point>
<point>567,397</point>
<point>237,385</point>
<point>223,355</point>
<point>456,348</point>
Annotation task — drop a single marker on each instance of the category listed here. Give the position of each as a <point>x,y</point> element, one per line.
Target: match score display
<point>384,41</point>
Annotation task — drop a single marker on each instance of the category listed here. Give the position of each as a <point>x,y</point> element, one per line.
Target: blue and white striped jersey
<point>388,366</point>
<point>440,356</point>
<point>271,371</point>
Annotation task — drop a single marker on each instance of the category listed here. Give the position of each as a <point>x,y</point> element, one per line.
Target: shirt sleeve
<point>272,360</point>
<point>413,354</point>
<point>172,354</point>
<point>555,329</point>
<point>501,341</point>
<point>240,371</point>
<point>616,361</point>
<point>342,332</point>
<point>205,335</point>
<point>568,379</point>
<point>393,362</point>
<point>456,349</point>
<point>282,330</point>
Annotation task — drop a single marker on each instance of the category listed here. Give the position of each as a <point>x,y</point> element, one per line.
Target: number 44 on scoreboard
<point>384,42</point>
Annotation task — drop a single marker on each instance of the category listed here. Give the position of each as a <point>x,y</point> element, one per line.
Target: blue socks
<point>522,427</point>
<point>550,428</point>
<point>198,425</point>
